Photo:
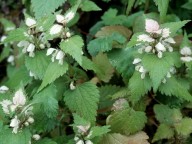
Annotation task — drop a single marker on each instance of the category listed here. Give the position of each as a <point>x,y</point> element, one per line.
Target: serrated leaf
<point>73,46</point>
<point>16,35</point>
<point>162,7</point>
<point>115,138</point>
<point>46,22</point>
<point>163,132</point>
<point>87,64</point>
<point>38,64</point>
<point>139,87</point>
<point>173,88</point>
<point>157,68</point>
<point>105,44</point>
<point>166,115</point>
<point>98,131</point>
<point>122,59</point>
<point>79,120</point>
<point>174,26</point>
<point>121,93</point>
<point>104,69</point>
<point>45,7</point>
<point>47,98</point>
<point>7,137</point>
<point>83,100</point>
<point>127,121</point>
<point>53,71</point>
<point>45,141</point>
<point>88,5</point>
<point>184,127</point>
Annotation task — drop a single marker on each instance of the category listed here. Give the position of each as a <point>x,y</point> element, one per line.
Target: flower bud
<point>36,137</point>
<point>30,120</point>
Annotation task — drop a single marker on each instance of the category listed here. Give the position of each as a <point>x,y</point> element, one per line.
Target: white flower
<point>160,47</point>
<point>88,142</point>
<point>148,49</point>
<point>165,32</point>
<point>10,59</point>
<point>31,49</point>
<point>56,29</point>
<point>42,46</point>
<point>5,106</point>
<point>151,26</point>
<point>50,51</point>
<point>23,44</point>
<point>72,87</point>
<point>69,16</point>
<point>160,54</point>
<point>170,40</point>
<point>168,75</point>
<point>30,22</point>
<point>145,38</point>
<point>15,124</point>
<point>26,124</point>
<point>136,60</point>
<point>60,18</point>
<point>31,120</point>
<point>164,81</point>
<point>68,34</point>
<point>60,55</point>
<point>186,51</point>
<point>80,142</point>
<point>19,98</point>
<point>3,38</point>
<point>3,89</point>
<point>142,70</point>
<point>36,137</point>
<point>143,75</point>
<point>186,59</point>
<point>83,129</point>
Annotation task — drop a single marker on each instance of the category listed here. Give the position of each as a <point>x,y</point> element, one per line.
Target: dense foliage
<point>96,72</point>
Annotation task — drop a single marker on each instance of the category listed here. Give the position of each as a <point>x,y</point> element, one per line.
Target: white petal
<point>50,51</point>
<point>15,122</point>
<point>170,40</point>
<point>23,44</point>
<point>68,34</point>
<point>19,98</point>
<point>164,81</point>
<point>10,59</point>
<point>168,75</point>
<point>141,70</point>
<point>30,120</point>
<point>80,142</point>
<point>136,60</point>
<point>148,49</point>
<point>5,106</point>
<point>165,32</point>
<point>72,87</point>
<point>3,38</point>
<point>60,55</point>
<point>186,51</point>
<point>88,142</point>
<point>30,22</point>
<point>160,54</point>
<point>31,47</point>
<point>160,47</point>
<point>142,75</point>
<point>60,18</point>
<point>145,38</point>
<point>186,59</point>
<point>56,29</point>
<point>4,88</point>
<point>36,137</point>
<point>69,16</point>
<point>151,25</point>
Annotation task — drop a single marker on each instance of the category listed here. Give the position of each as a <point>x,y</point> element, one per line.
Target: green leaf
<point>127,121</point>
<point>5,53</point>
<point>130,5</point>
<point>73,46</point>
<point>88,5</point>
<point>184,127</point>
<point>166,115</point>
<point>45,141</point>
<point>173,88</point>
<point>104,69</point>
<point>174,26</point>
<point>46,22</point>
<point>16,35</point>
<point>45,7</point>
<point>104,44</point>
<point>47,98</point>
<point>38,64</point>
<point>98,131</point>
<point>162,7</point>
<point>163,132</point>
<point>87,64</point>
<point>83,100</point>
<point>122,59</point>
<point>139,87</point>
<point>157,67</point>
<point>79,120</point>
<point>8,25</point>
<point>53,71</point>
<point>20,76</point>
<point>7,137</point>
<point>187,5</point>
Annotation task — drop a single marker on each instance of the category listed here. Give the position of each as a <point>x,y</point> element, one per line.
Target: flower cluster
<point>83,131</point>
<point>34,41</point>
<point>186,54</point>
<point>17,109</point>
<point>139,67</point>
<point>157,40</point>
<point>56,54</point>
